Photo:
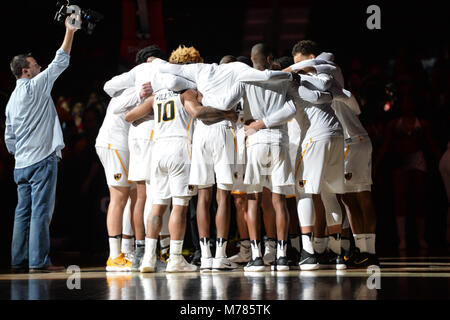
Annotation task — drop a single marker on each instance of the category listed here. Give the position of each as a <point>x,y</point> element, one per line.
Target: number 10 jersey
<point>171,118</point>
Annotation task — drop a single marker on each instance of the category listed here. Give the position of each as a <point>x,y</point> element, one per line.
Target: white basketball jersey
<point>171,117</point>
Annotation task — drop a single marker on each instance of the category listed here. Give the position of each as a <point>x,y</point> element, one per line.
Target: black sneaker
<point>255,265</point>
<point>196,258</point>
<point>335,261</point>
<point>308,261</point>
<point>281,264</point>
<point>293,257</point>
<point>361,261</point>
<point>322,259</point>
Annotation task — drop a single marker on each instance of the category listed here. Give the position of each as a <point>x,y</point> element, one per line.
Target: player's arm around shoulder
<point>141,110</point>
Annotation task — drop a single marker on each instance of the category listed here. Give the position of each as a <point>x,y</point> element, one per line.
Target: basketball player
<point>214,152</point>
<point>142,77</point>
<point>112,149</point>
<point>357,170</point>
<point>170,168</point>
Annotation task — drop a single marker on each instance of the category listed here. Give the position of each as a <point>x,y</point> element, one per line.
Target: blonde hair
<point>183,55</point>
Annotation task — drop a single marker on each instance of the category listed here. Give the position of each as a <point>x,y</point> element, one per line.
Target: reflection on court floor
<point>406,278</point>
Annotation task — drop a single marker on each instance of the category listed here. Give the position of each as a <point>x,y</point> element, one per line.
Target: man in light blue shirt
<point>33,135</point>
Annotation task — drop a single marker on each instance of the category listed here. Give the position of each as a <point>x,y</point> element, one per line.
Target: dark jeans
<point>36,190</point>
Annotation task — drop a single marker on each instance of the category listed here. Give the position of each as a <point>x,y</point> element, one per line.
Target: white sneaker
<point>206,264</point>
<point>177,263</point>
<point>148,263</point>
<point>244,255</point>
<point>270,252</point>
<point>223,264</point>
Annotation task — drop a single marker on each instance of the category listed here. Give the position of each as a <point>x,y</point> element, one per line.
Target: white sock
<point>320,244</point>
<point>204,247</point>
<point>256,249</point>
<point>281,248</point>
<point>140,243</point>
<point>307,242</point>
<point>334,243</point>
<point>345,243</point>
<point>150,246</point>
<point>370,243</point>
<point>295,242</point>
<point>360,242</point>
<point>176,247</point>
<point>164,243</point>
<point>221,248</point>
<point>245,244</point>
<point>114,247</point>
<point>127,245</point>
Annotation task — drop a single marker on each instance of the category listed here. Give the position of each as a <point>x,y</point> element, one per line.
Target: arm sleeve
<point>117,84</point>
<point>281,116</point>
<point>122,103</point>
<point>314,96</point>
<point>253,75</point>
<point>188,71</point>
<point>10,138</point>
<point>44,81</point>
<point>321,81</point>
<point>172,82</point>
<point>227,102</point>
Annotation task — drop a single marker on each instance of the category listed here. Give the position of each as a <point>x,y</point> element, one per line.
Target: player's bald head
<point>262,56</point>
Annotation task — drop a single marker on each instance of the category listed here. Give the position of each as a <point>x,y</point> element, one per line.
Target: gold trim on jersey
<point>301,158</point>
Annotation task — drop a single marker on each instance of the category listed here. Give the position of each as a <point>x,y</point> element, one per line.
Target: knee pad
<point>305,210</point>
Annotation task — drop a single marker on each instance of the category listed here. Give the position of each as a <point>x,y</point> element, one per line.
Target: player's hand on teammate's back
<point>146,90</point>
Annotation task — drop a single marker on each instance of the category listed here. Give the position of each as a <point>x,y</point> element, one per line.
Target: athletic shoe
<point>137,259</point>
<point>350,256</point>
<point>164,257</point>
<point>129,255</point>
<point>332,260</point>
<point>220,264</point>
<point>206,264</point>
<point>364,260</point>
<point>270,252</point>
<point>118,264</point>
<point>308,261</point>
<point>281,264</point>
<point>255,265</point>
<point>293,257</point>
<point>177,263</point>
<point>197,257</point>
<point>148,263</point>
<point>244,255</point>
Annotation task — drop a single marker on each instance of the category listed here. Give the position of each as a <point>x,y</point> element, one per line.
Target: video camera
<point>89,18</point>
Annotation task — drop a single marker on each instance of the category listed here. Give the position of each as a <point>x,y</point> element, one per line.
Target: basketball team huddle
<point>283,141</point>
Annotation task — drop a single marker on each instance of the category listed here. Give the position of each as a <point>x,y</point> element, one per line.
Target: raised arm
<point>141,110</point>
<point>208,115</point>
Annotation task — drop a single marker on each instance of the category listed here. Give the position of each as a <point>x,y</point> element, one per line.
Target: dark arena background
<point>410,50</point>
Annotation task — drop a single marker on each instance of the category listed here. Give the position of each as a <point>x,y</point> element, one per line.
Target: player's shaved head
<point>262,56</point>
<point>227,59</point>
